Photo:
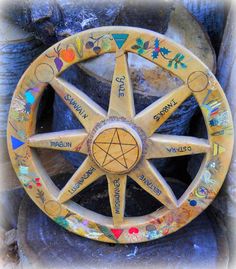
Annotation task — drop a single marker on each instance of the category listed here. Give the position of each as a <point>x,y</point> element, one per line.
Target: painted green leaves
<point>141,47</point>
<point>177,61</point>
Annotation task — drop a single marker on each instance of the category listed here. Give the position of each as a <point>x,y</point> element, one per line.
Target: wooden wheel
<point>120,143</point>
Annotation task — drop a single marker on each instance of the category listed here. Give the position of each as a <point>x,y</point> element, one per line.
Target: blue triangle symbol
<point>16,143</point>
<point>120,39</point>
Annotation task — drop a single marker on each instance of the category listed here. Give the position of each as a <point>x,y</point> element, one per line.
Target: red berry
<point>30,186</point>
<point>39,184</point>
<point>133,230</point>
<point>37,179</point>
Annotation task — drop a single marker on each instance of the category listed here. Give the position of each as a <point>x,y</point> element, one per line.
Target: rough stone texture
<point>54,20</point>
<point>42,243</point>
<point>212,15</point>
<point>9,207</point>
<point>153,15</point>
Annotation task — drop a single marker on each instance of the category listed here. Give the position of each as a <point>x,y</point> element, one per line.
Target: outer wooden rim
<point>198,81</point>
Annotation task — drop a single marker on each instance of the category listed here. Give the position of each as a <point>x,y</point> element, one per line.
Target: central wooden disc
<point>116,149</point>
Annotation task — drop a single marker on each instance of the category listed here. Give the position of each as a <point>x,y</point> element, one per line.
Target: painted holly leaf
<point>175,65</point>
<point>164,51</point>
<point>139,42</point>
<point>157,43</point>
<point>146,45</point>
<point>135,47</point>
<point>154,54</point>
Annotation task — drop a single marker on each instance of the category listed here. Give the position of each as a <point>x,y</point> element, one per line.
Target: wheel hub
<point>116,148</point>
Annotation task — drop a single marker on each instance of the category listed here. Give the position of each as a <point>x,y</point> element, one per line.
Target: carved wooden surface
<point>118,131</point>
<point>42,243</point>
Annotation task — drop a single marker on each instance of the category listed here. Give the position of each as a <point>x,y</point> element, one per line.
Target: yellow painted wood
<point>86,174</point>
<point>152,182</point>
<point>110,137</point>
<point>152,117</point>
<point>117,189</point>
<point>164,146</point>
<point>116,148</point>
<point>121,98</point>
<point>84,108</point>
<point>71,140</point>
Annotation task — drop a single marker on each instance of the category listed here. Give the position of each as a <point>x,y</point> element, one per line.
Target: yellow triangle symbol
<point>217,149</point>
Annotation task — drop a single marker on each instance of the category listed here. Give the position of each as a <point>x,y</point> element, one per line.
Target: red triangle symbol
<point>117,232</point>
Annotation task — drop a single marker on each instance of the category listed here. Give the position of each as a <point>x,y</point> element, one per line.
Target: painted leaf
<point>157,43</point>
<point>107,233</point>
<point>135,47</point>
<point>176,65</point>
<point>79,45</point>
<point>164,50</point>
<point>140,51</point>
<point>181,57</point>
<point>139,42</point>
<point>170,64</point>
<point>154,54</point>
<point>183,65</point>
<point>146,45</point>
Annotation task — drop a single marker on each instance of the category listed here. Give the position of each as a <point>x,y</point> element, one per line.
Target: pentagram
<point>115,150</point>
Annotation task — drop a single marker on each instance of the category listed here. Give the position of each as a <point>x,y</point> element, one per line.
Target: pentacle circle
<point>116,150</point>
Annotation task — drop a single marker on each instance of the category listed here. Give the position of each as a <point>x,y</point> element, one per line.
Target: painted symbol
<point>117,232</point>
<point>225,131</point>
<point>120,39</point>
<point>115,150</point>
<point>198,81</point>
<point>44,72</point>
<point>133,230</point>
<point>52,208</point>
<point>201,192</point>
<point>16,143</point>
<point>217,149</point>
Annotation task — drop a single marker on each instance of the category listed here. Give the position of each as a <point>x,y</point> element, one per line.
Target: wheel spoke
<point>121,99</point>
<point>73,140</point>
<point>152,182</point>
<point>117,189</point>
<point>84,108</point>
<point>162,146</point>
<point>86,174</point>
<point>157,113</point>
